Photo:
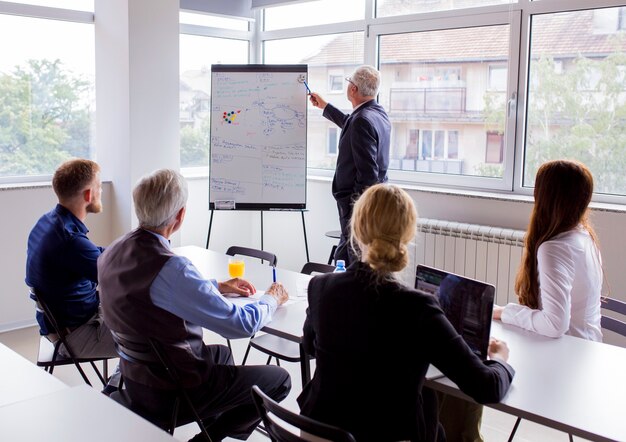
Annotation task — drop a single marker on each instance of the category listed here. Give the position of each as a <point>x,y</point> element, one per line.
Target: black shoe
<point>109,390</point>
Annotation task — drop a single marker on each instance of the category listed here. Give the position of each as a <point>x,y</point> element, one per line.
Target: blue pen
<point>274,273</point>
<point>307,87</point>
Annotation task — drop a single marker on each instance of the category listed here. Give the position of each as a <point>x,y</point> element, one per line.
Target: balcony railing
<point>428,100</point>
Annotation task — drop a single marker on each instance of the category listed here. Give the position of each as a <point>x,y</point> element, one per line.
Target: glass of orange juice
<point>236,267</point>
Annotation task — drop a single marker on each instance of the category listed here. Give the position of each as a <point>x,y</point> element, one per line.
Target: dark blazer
<point>363,157</point>
<point>373,343</point>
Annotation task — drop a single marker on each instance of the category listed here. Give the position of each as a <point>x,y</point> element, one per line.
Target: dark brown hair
<point>72,177</point>
<point>563,190</point>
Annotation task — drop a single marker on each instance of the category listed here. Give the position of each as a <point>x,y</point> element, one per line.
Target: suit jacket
<point>363,157</point>
<point>373,342</point>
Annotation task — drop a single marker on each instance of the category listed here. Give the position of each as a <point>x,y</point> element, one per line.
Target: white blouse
<point>570,286</point>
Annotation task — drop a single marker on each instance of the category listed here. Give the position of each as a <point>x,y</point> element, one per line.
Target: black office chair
<point>253,253</point>
<point>316,267</point>
<point>48,356</point>
<point>335,234</point>
<point>148,352</point>
<point>275,346</point>
<point>613,324</point>
<point>269,410</point>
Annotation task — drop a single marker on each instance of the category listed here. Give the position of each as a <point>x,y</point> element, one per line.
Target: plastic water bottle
<point>341,266</point>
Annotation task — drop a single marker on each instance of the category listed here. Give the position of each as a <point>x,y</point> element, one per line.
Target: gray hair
<point>367,79</point>
<point>158,197</point>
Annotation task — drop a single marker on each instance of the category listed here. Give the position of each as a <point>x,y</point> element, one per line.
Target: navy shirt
<point>61,266</point>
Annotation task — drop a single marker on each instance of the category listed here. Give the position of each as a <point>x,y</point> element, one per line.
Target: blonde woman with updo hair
<point>374,337</point>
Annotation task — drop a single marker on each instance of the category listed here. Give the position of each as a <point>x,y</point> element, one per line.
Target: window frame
<point>44,13</point>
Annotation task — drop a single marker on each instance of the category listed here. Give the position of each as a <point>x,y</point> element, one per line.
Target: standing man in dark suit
<point>363,156</point>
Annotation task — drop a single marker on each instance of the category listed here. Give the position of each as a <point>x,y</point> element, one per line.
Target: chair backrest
<point>268,410</point>
<point>141,350</point>
<point>42,307</point>
<point>316,267</point>
<point>254,253</point>
<point>613,324</point>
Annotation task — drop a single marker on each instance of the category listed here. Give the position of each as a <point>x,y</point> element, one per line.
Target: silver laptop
<point>467,303</point>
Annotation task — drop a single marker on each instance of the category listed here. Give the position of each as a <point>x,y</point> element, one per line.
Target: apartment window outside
<point>197,54</point>
<point>495,148</point>
<point>47,93</point>
<point>427,83</point>
<point>335,82</point>
<point>321,54</point>
<point>498,78</point>
<point>577,111</point>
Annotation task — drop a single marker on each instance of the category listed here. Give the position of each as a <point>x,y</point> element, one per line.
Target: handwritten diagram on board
<point>258,136</point>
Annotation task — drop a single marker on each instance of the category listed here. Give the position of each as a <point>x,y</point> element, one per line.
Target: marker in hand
<point>274,274</point>
<point>307,87</point>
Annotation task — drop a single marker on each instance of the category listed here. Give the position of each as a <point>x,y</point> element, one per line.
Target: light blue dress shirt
<point>180,289</point>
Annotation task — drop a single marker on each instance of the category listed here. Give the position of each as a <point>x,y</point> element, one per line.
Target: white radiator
<point>486,253</point>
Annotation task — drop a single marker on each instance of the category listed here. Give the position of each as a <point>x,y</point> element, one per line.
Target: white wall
<point>22,207</point>
<point>283,232</point>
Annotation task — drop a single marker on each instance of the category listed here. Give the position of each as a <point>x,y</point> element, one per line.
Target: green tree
<point>194,144</point>
<point>579,113</point>
<point>44,118</point>
<point>575,112</point>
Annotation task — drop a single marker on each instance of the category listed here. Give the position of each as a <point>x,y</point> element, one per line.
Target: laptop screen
<point>467,303</point>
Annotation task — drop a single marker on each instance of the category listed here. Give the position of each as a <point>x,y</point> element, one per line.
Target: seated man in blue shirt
<point>147,290</point>
<point>61,262</point>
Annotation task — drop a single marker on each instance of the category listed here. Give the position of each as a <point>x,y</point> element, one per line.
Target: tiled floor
<point>496,425</point>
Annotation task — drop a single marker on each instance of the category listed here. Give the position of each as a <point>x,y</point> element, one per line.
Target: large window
<point>313,13</point>
<point>197,54</point>
<point>330,59</point>
<point>438,83</point>
<point>385,8</point>
<point>577,95</point>
<point>479,92</point>
<point>47,92</point>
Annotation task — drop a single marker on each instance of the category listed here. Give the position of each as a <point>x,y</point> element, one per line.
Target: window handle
<point>511,105</point>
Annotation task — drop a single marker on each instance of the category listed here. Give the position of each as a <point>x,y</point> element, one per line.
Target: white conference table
<point>288,319</point>
<point>20,379</point>
<point>569,384</point>
<point>75,414</point>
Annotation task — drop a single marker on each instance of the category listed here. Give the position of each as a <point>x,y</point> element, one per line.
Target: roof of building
<point>562,35</point>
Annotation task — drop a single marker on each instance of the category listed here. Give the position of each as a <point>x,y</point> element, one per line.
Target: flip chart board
<point>258,137</point>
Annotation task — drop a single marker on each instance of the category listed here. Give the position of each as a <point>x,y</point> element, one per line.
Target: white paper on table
<point>243,300</point>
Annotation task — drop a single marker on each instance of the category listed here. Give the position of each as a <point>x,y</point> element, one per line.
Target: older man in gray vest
<point>148,290</point>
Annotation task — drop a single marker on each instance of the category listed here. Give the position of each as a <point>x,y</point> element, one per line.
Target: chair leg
<point>205,433</point>
<point>517,422</point>
<point>105,369</point>
<point>245,357</point>
<point>102,378</point>
<point>268,361</point>
<point>174,419</point>
<point>332,255</point>
<point>278,362</point>
<point>229,346</point>
<point>571,438</point>
<point>82,373</point>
